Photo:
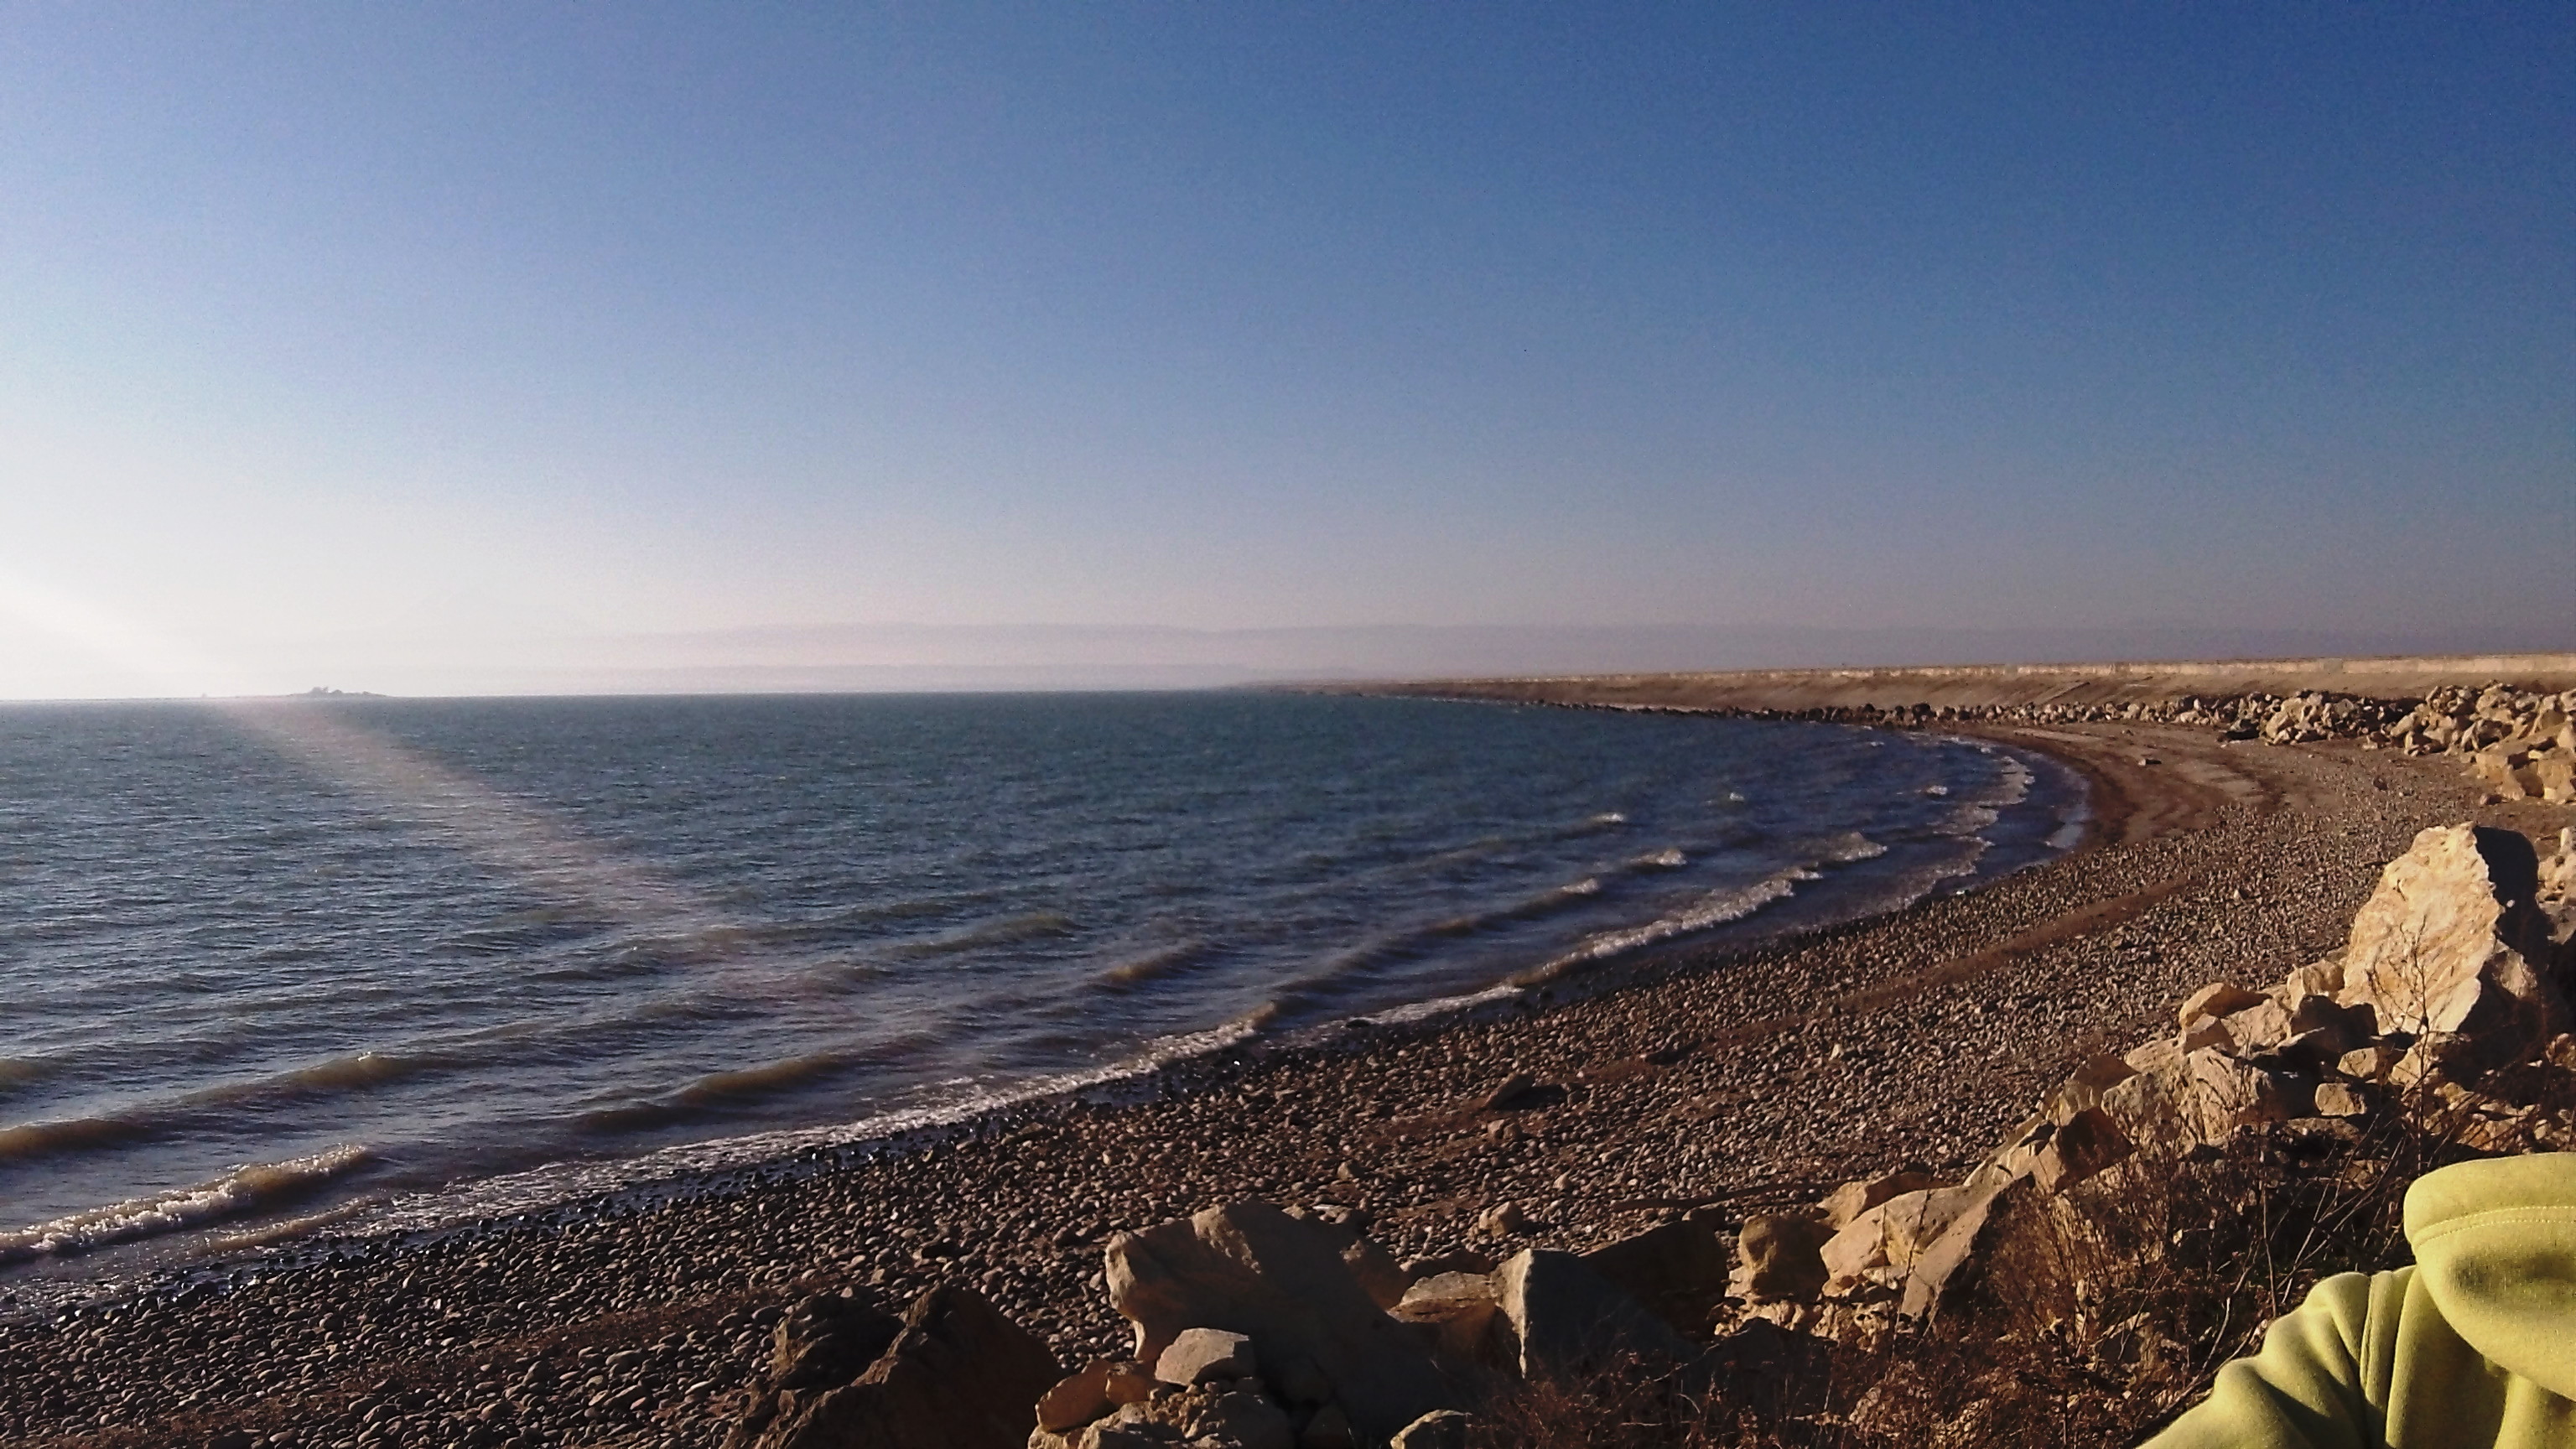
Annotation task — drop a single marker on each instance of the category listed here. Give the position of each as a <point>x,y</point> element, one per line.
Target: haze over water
<point>281,958</point>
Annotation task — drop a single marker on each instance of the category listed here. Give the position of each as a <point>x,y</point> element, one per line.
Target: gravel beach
<point>1745,1080</point>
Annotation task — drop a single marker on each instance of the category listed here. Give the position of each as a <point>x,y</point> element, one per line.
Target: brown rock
<point>1679,1269</point>
<point>1854,1198</point>
<point>2320,1050</point>
<point>2163,1051</point>
<point>2150,1109</point>
<point>829,1339</point>
<point>1080,1398</point>
<point>2266,1023</point>
<point>1892,1235</point>
<point>1200,1355</point>
<point>2217,999</point>
<point>1567,1320</point>
<point>1944,1262</point>
<point>2555,775</point>
<point>1376,1271</point>
<point>1513,1091</point>
<point>1254,1270</point>
<point>2085,1088</point>
<point>2449,941</point>
<point>1216,1416</point>
<point>1462,1260</point>
<point>2080,1147</point>
<point>1464,1312</point>
<point>1780,1258</point>
<point>958,1376</point>
<point>2227,1094</point>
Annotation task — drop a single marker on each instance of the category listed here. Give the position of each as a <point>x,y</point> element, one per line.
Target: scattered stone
<point>1566,1319</point>
<point>1462,1260</point>
<point>2453,941</point>
<point>1780,1259</point>
<point>1200,1355</point>
<point>1854,1198</point>
<point>1252,1269</point>
<point>1676,1269</point>
<point>958,1376</point>
<point>1081,1397</point>
<point>2217,999</point>
<point>829,1339</point>
<point>1464,1312</point>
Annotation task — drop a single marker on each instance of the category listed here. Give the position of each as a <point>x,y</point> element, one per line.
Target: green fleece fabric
<point>2473,1346</point>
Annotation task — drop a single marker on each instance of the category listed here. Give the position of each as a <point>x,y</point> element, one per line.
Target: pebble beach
<point>1687,1079</point>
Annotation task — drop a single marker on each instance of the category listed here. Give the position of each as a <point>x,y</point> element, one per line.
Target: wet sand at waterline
<point>1694,1076</point>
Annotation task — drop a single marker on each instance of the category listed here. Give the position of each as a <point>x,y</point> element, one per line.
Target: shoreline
<point>42,1282</point>
<point>1699,1076</point>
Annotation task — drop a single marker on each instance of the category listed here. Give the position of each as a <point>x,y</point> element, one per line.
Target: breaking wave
<point>667,1171</point>
<point>715,1092</point>
<point>241,1190</point>
<point>1008,931</point>
<point>1717,908</point>
<point>77,1134</point>
<point>1152,965</point>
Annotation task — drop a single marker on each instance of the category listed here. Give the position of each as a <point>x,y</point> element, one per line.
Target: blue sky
<point>365,337</point>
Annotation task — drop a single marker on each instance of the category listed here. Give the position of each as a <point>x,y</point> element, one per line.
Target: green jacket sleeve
<point>2304,1390</point>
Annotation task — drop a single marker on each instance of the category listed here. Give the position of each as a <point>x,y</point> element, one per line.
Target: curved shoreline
<point>1905,1035</point>
<point>36,1282</point>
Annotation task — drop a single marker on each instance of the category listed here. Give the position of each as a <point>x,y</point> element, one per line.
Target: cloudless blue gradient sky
<point>373,333</point>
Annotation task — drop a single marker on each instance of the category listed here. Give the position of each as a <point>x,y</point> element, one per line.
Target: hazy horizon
<point>475,349</point>
<point>966,658</point>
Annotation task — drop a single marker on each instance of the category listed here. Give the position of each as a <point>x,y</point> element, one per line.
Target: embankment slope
<point>1987,686</point>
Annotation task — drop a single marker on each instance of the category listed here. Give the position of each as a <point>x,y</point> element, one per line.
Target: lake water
<point>305,957</point>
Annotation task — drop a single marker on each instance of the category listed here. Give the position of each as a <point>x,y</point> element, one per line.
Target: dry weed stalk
<point>2102,1312</point>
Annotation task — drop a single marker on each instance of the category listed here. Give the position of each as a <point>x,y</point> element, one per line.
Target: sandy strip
<point>1913,1036</point>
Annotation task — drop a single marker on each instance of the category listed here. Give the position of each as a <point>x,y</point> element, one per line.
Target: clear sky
<point>355,336</point>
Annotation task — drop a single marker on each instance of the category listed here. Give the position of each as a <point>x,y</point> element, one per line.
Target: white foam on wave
<point>1717,908</point>
<point>2014,785</point>
<point>2010,787</point>
<point>1440,1005</point>
<point>1959,859</point>
<point>1967,819</point>
<point>238,1191</point>
<point>1850,846</point>
<point>559,1182</point>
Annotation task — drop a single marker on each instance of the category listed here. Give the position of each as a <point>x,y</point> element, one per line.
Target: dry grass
<point>2090,1328</point>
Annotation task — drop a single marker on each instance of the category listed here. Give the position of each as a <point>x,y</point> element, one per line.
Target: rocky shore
<point>1570,1118</point>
